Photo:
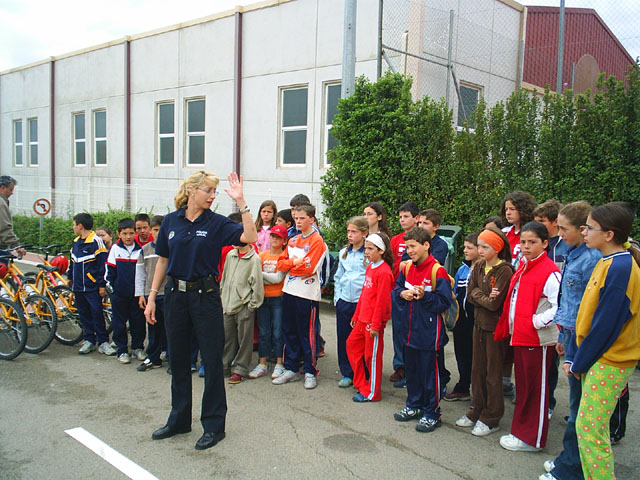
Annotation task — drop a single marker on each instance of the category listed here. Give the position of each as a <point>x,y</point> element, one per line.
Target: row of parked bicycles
<point>36,307</point>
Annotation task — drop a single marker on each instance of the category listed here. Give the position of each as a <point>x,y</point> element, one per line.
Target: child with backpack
<point>348,281</point>
<point>420,302</point>
<point>366,342</point>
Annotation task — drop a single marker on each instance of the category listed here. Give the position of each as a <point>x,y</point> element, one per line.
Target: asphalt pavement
<point>272,431</point>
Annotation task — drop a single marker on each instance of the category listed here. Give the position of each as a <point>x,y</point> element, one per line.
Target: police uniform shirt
<point>193,248</point>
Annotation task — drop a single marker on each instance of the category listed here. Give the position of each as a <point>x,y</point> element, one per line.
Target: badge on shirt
<point>171,234</point>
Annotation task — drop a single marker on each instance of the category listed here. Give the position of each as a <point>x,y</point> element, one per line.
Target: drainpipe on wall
<point>127,99</point>
<point>52,134</point>
<point>237,96</point>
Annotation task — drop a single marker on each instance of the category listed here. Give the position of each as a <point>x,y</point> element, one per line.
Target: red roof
<point>585,33</point>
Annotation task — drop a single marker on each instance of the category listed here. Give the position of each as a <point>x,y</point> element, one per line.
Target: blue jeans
<point>568,465</point>
<point>270,341</point>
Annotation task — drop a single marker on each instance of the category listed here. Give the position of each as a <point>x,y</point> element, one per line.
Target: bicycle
<point>38,311</point>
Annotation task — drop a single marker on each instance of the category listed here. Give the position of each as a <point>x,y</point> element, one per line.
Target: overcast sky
<point>33,30</point>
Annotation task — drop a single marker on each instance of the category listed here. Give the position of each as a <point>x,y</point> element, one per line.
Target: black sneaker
<point>407,414</point>
<point>147,365</point>
<point>426,425</point>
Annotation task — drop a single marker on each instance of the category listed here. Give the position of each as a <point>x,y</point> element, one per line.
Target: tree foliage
<point>393,149</point>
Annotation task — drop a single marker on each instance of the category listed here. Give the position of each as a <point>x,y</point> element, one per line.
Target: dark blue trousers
<point>397,331</point>
<point>344,314</point>
<point>423,381</point>
<point>89,305</point>
<point>126,309</point>
<point>299,324</point>
<point>157,335</point>
<point>186,313</point>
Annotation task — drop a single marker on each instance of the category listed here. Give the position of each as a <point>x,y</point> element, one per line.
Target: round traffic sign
<point>42,206</point>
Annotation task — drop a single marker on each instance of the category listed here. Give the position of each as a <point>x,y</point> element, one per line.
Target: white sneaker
<point>258,372</point>
<point>277,371</point>
<point>124,358</point>
<point>513,443</point>
<point>163,355</point>
<point>107,349</point>
<point>86,347</point>
<point>546,476</point>
<point>139,354</point>
<point>113,344</point>
<point>549,465</point>
<point>286,377</point>
<point>482,429</point>
<point>465,421</point>
<point>310,381</point>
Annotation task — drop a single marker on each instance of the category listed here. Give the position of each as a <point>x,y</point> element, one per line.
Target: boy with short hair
<point>302,260</point>
<point>145,269</point>
<point>86,274</point>
<point>430,219</point>
<point>424,334</point>
<point>121,273</point>
<point>408,216</point>
<point>547,214</point>
<point>143,229</point>
<point>241,293</point>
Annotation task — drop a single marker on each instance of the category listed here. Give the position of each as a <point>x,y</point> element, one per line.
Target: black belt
<point>188,286</point>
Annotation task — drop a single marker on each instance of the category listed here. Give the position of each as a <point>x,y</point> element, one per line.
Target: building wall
<point>290,43</point>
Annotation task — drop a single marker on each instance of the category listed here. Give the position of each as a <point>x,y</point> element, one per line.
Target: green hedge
<point>59,230</point>
<point>393,149</point>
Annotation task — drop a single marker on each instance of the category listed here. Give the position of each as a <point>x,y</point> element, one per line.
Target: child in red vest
<point>529,309</point>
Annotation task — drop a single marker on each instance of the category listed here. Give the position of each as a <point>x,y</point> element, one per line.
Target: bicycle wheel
<point>42,321</point>
<point>69,331</point>
<point>13,329</point>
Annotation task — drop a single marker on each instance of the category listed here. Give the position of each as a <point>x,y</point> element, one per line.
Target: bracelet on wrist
<point>153,290</point>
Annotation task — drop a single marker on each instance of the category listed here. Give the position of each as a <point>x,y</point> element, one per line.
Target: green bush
<point>392,149</point>
<point>60,230</point>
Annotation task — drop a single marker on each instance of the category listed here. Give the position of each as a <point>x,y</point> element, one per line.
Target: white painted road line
<point>115,458</point>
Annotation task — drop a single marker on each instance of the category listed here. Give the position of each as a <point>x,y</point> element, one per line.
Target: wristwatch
<point>244,210</point>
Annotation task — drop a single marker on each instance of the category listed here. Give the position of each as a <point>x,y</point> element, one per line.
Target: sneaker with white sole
<point>426,425</point>
<point>86,347</point>
<point>465,421</point>
<point>124,358</point>
<point>163,355</point>
<point>113,344</point>
<point>277,371</point>
<point>310,381</point>
<point>345,382</point>
<point>546,476</point>
<point>258,372</point>
<point>513,443</point>
<point>482,429</point>
<point>407,413</point>
<point>549,465</point>
<point>286,377</point>
<point>107,349</point>
<point>139,354</point>
<point>147,365</point>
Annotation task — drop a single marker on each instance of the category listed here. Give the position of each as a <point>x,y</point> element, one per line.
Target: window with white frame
<point>17,143</point>
<point>293,125</point>
<point>100,137</point>
<point>195,131</point>
<point>165,133</point>
<point>32,124</point>
<point>79,140</point>
<point>469,96</point>
<point>332,94</point>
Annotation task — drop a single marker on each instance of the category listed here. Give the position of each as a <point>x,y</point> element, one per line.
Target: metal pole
<point>573,75</point>
<point>379,66</point>
<point>449,52</point>
<point>349,49</point>
<point>560,48</point>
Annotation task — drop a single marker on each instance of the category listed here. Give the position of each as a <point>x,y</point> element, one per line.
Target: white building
<point>252,89</point>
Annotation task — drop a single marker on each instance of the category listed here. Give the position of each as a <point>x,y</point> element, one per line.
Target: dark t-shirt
<point>193,248</point>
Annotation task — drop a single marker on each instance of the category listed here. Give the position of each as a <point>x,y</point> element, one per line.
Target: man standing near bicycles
<point>8,238</point>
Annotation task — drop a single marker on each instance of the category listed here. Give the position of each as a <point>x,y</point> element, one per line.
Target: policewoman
<point>188,246</point>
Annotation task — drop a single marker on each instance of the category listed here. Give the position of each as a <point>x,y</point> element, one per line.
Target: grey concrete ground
<point>272,431</point>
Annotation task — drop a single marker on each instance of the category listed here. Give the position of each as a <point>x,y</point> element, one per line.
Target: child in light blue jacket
<point>348,282</point>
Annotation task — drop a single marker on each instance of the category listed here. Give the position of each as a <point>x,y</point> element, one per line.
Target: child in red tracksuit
<point>374,309</point>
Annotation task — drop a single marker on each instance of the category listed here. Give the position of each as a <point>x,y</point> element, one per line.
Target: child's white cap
<point>376,240</point>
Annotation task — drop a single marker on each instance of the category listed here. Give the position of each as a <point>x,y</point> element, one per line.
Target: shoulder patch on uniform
<point>171,234</point>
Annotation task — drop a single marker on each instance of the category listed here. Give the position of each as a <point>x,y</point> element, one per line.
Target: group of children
<point>556,280</point>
